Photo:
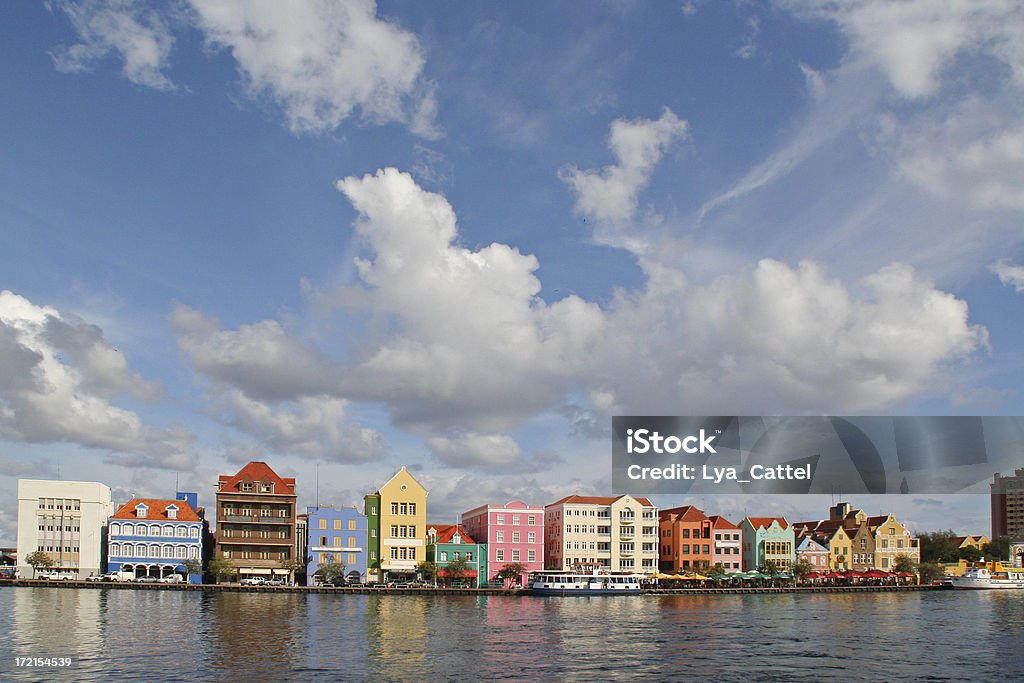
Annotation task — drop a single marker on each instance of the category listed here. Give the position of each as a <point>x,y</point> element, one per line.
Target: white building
<point>620,533</point>
<point>66,520</point>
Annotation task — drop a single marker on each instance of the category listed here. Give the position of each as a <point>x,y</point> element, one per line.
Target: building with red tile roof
<point>157,537</point>
<point>684,543</point>
<point>726,544</point>
<point>768,539</point>
<point>256,520</point>
<point>448,543</point>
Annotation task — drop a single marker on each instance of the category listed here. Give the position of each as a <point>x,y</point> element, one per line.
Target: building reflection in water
<point>396,636</point>
<point>49,622</point>
<point>257,632</point>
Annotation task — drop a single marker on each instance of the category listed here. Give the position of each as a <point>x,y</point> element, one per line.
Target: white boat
<point>579,582</point>
<point>979,578</point>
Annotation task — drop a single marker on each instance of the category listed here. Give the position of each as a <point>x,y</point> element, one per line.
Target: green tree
<point>221,567</point>
<point>192,566</point>
<point>717,571</point>
<point>331,570</point>
<point>427,570</point>
<point>929,571</point>
<point>939,546</point>
<point>971,553</point>
<point>905,564</point>
<point>997,549</point>
<point>291,567</point>
<point>801,568</point>
<point>37,559</point>
<point>457,568</point>
<point>771,568</point>
<point>511,572</point>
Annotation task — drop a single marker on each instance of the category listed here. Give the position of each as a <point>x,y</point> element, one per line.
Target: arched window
<point>127,550</point>
<point>115,529</point>
<point>127,530</point>
<point>168,551</point>
<point>194,532</point>
<point>179,552</point>
<point>193,553</point>
<point>154,530</point>
<point>168,530</point>
<point>115,550</point>
<point>181,531</point>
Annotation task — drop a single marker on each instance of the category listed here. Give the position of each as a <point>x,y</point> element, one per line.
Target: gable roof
<point>598,500</point>
<point>765,522</point>
<point>811,545</point>
<point>256,471</point>
<point>686,513</point>
<point>156,510</point>
<point>445,533</point>
<point>406,471</point>
<point>720,522</point>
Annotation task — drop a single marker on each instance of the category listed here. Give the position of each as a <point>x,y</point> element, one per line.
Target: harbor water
<point>198,636</point>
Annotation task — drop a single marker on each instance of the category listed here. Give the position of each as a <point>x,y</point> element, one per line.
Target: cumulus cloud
<point>1009,274</point>
<point>471,344</point>
<point>269,385</point>
<point>139,36</point>
<point>610,195</point>
<point>495,451</point>
<point>59,376</point>
<point>322,60</point>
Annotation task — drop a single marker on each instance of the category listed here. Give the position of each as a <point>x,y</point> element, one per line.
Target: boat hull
<point>567,591</point>
<point>962,584</point>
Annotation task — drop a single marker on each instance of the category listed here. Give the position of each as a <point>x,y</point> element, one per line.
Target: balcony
<point>254,519</point>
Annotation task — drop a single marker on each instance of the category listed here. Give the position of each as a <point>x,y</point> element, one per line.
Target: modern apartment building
<point>336,535</point>
<point>67,520</point>
<point>396,517</point>
<point>620,533</point>
<point>513,533</point>
<point>256,520</point>
<point>1008,505</point>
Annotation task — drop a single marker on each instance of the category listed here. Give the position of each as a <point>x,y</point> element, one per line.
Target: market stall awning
<point>467,574</point>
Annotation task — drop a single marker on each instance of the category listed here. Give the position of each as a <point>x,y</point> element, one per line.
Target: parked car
<point>146,579</point>
<point>374,584</point>
<point>277,581</point>
<point>338,582</point>
<point>55,576</point>
<point>253,581</point>
<point>171,578</point>
<point>118,576</point>
<point>94,577</point>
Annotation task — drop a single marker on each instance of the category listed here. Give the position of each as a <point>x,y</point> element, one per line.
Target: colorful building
<point>685,540</point>
<point>812,551</point>
<point>152,537</point>
<point>513,533</point>
<point>256,521</point>
<point>857,541</point>
<point>397,524</point>
<point>831,535</point>
<point>726,544</point>
<point>768,539</point>
<point>336,535</point>
<point>449,542</point>
<point>620,533</point>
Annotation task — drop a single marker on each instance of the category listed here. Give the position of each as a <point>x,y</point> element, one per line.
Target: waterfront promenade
<point>363,590</point>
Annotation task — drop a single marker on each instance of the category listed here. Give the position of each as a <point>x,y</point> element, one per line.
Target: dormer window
<point>141,511</point>
<point>247,487</point>
<point>172,512</point>
<point>456,539</point>
<point>267,487</point>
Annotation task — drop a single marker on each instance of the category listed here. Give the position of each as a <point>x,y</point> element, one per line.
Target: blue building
<point>149,537</point>
<point>336,535</point>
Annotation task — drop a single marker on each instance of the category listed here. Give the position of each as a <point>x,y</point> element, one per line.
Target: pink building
<point>727,544</point>
<point>514,533</point>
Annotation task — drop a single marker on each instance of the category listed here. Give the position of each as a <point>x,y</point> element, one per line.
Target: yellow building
<point>832,535</point>
<point>396,517</point>
<point>892,539</point>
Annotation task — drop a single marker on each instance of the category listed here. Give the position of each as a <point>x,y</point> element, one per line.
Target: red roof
<point>765,522</point>
<point>445,533</point>
<point>686,513</point>
<point>257,471</point>
<point>598,500</point>
<point>157,510</point>
<point>720,522</point>
<point>878,521</point>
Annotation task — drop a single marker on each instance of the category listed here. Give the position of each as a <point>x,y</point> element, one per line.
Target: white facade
<point>65,519</point>
<point>619,533</point>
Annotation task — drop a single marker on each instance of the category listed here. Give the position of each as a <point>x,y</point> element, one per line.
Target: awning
<point>466,574</point>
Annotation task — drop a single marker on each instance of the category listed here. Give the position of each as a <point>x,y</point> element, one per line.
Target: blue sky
<point>461,237</point>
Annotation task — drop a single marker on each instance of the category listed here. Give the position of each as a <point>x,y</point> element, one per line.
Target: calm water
<point>164,635</point>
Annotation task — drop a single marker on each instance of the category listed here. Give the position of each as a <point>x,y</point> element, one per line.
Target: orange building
<point>686,539</point>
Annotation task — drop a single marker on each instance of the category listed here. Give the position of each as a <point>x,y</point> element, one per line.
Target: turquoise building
<point>445,543</point>
<point>768,539</point>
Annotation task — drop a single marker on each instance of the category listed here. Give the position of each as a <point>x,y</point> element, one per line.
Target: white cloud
<point>59,375</point>
<point>1009,274</point>
<point>912,41</point>
<point>139,36</point>
<point>495,451</point>
<point>267,384</point>
<point>322,60</point>
<point>610,196</point>
<point>469,342</point>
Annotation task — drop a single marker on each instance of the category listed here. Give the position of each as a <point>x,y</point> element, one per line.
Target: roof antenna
<point>318,486</point>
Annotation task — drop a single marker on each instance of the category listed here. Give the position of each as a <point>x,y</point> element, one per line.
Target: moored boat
<point>578,582</point>
<point>980,578</point>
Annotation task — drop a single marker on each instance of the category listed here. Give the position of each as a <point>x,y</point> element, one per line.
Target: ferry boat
<point>979,578</point>
<point>584,582</point>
